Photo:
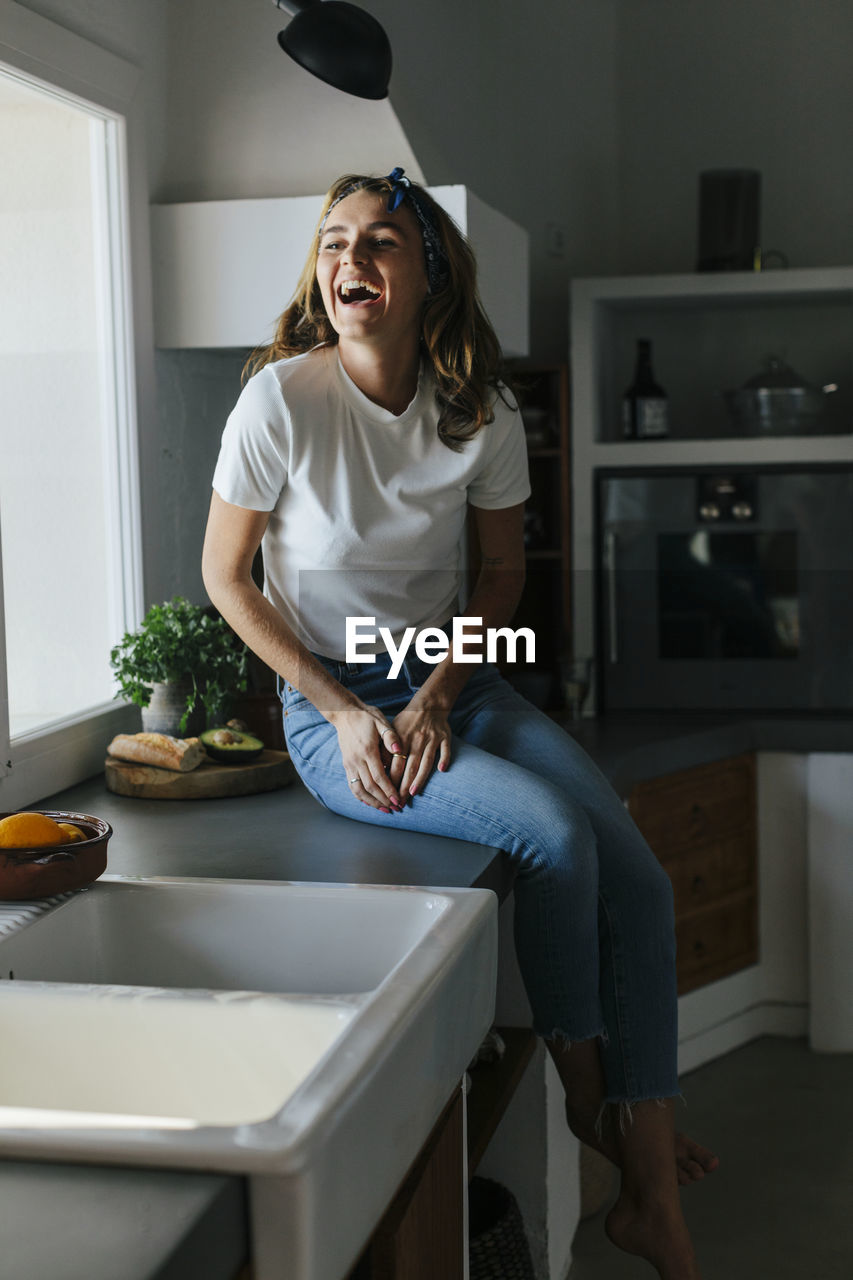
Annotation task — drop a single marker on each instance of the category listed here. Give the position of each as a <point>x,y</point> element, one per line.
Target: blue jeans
<point>594,924</point>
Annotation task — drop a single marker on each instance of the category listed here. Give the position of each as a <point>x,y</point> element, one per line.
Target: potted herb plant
<point>182,662</point>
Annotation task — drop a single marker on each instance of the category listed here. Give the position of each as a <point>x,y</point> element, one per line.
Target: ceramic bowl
<point>26,874</point>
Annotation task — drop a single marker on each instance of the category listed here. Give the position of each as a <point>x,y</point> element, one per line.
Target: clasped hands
<point>386,762</point>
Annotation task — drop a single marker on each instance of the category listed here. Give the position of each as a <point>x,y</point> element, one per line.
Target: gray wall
<point>519,103</point>
<point>522,109</point>
<point>525,118</point>
<point>762,84</point>
<point>592,118</point>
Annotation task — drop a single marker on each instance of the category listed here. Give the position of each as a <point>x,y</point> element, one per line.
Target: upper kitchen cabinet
<point>224,270</point>
<point>711,333</point>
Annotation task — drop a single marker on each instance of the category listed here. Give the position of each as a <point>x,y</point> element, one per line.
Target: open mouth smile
<point>358,291</point>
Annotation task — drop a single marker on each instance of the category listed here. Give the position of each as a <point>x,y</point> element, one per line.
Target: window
<point>69,554</point>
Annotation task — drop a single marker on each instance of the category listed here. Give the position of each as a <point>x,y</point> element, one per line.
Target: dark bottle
<point>645,408</point>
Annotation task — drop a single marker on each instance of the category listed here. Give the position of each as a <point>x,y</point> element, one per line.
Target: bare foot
<point>692,1160</point>
<point>656,1232</point>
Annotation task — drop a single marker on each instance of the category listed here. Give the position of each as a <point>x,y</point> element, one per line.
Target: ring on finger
<point>352,780</point>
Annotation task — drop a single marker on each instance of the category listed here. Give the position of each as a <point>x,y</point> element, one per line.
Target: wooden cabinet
<point>421,1236</point>
<point>701,824</point>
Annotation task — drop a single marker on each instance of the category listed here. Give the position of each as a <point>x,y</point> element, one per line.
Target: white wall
<point>762,84</point>
<point>134,30</point>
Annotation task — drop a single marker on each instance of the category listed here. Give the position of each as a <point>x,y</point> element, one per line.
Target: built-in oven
<point>725,589</point>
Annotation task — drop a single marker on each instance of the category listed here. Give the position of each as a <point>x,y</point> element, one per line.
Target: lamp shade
<point>341,45</point>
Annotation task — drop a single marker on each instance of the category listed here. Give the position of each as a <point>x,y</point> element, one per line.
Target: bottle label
<point>652,419</point>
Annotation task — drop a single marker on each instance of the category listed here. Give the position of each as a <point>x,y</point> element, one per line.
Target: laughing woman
<point>370,426</point>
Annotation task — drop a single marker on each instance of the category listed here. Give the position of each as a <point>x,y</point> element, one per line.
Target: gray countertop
<point>632,748</point>
<point>278,835</point>
<point>287,835</point>
<point>196,1222</point>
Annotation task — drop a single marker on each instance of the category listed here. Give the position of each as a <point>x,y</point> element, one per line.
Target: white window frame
<point>48,56</point>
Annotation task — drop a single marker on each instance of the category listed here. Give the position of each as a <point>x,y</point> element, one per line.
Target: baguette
<point>158,749</point>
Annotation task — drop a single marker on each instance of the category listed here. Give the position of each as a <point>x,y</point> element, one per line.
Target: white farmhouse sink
<point>306,1036</point>
<point>227,935</point>
<point>149,1059</point>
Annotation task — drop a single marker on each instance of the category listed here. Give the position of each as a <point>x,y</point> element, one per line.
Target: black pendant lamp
<point>339,44</point>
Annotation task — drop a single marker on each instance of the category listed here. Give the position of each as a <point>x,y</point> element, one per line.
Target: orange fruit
<point>72,832</point>
<point>30,831</point>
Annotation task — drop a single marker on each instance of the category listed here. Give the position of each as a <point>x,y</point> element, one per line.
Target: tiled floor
<point>780,1206</point>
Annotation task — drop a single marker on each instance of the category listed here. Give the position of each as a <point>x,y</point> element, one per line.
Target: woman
<point>373,422</point>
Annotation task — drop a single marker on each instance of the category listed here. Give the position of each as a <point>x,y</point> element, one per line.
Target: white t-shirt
<point>367,509</point>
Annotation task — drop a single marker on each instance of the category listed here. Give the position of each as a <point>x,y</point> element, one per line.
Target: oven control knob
<point>741,511</point>
<point>709,511</point>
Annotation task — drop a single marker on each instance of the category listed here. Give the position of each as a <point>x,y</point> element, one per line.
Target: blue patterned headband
<point>438,269</point>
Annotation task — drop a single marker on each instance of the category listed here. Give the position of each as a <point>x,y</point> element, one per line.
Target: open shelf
<point>710,332</point>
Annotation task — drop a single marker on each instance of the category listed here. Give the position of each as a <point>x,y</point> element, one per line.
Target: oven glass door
<point>744,603</point>
<point>725,594</point>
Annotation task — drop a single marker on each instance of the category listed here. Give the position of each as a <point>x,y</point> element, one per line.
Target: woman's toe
<point>694,1159</point>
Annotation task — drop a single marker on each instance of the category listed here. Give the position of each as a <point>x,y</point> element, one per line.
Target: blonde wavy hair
<point>457,337</point>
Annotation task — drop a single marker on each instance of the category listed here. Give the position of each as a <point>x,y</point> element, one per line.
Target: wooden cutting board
<point>271,770</point>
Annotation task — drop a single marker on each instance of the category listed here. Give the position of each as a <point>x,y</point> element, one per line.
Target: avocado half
<point>231,746</point>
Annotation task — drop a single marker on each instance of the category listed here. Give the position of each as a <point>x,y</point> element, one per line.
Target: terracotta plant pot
<point>42,872</point>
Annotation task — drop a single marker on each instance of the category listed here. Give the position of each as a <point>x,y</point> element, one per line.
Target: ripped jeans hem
<point>564,1041</point>
<point>625,1105</point>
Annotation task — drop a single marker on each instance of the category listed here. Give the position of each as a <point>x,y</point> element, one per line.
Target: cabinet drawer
<point>716,942</point>
<point>701,875</point>
<point>693,807</point>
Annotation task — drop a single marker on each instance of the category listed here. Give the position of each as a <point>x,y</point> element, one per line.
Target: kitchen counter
<point>287,835</point>
<point>277,835</point>
<point>632,748</point>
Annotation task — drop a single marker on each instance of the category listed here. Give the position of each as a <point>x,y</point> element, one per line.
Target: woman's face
<point>371,270</point>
